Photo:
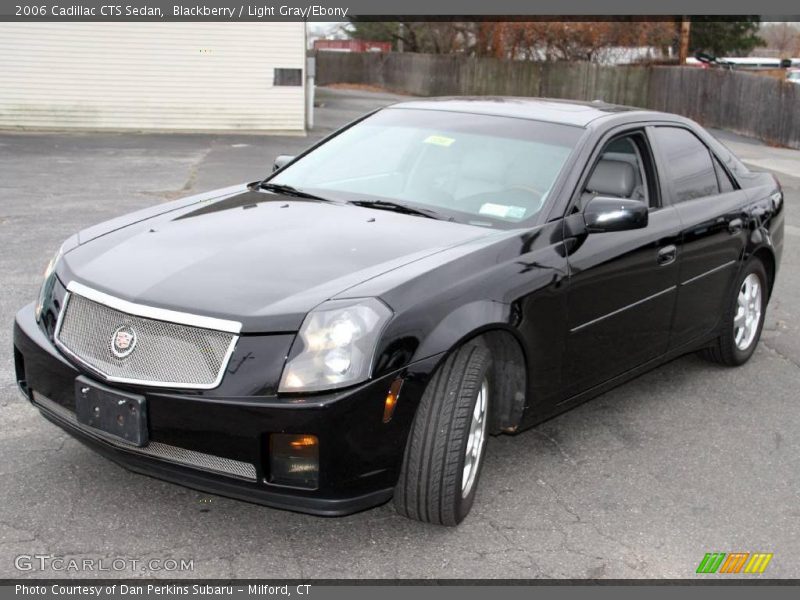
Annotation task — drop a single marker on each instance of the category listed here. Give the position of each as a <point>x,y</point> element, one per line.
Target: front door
<point>622,285</point>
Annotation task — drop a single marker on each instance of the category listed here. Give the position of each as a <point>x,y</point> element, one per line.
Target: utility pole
<point>683,42</point>
<point>400,37</point>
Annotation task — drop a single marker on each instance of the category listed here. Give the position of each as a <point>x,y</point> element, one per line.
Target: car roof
<point>568,112</point>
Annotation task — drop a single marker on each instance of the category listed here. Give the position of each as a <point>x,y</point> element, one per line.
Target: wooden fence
<point>746,103</point>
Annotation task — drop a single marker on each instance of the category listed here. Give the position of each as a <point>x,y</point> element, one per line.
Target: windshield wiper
<point>288,190</point>
<point>397,207</point>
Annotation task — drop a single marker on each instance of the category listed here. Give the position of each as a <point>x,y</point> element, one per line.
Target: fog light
<point>391,399</point>
<point>294,460</point>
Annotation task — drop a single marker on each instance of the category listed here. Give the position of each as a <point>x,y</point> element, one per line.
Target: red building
<point>352,46</point>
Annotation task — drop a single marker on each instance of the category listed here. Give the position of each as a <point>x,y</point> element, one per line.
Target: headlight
<point>49,280</point>
<point>338,344</point>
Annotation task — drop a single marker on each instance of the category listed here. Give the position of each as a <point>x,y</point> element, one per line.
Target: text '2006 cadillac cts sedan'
<point>354,327</point>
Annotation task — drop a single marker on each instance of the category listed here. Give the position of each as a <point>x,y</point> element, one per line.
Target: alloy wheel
<point>748,312</point>
<point>476,440</point>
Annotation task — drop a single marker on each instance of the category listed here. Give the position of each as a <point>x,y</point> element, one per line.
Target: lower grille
<point>165,452</point>
<point>122,342</point>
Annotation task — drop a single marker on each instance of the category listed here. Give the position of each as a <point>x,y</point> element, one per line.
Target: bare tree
<point>782,38</point>
<point>569,40</point>
<point>436,37</point>
<point>523,40</point>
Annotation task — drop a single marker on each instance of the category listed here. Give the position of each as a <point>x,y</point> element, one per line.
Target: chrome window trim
<point>210,463</point>
<point>146,312</point>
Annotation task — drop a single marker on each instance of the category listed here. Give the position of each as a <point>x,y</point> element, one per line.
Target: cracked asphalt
<point>641,482</point>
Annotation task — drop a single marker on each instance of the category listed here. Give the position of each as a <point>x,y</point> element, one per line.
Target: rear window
<point>725,183</point>
<point>688,164</point>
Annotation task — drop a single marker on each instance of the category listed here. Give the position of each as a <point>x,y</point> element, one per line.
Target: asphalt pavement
<point>641,482</point>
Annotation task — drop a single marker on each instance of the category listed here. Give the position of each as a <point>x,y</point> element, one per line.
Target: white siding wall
<point>176,76</point>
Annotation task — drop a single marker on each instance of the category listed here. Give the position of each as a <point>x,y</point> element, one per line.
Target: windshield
<point>479,169</point>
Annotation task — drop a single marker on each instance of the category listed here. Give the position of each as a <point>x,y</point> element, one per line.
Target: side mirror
<point>614,214</point>
<point>281,161</point>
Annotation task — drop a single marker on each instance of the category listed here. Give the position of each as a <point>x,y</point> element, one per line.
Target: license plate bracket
<point>121,415</point>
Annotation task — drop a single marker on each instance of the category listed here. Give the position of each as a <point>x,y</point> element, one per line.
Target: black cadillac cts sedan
<point>352,328</point>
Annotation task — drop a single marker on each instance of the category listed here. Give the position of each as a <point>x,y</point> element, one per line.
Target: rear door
<point>713,231</point>
<point>622,284</point>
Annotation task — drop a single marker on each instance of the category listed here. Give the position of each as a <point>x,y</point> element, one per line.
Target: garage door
<point>153,76</point>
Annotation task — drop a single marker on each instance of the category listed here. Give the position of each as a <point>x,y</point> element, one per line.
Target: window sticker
<point>502,211</point>
<point>439,140</point>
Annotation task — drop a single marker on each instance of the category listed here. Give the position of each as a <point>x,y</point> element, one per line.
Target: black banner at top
<point>340,10</point>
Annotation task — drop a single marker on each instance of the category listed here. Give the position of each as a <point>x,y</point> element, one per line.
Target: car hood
<point>256,257</point>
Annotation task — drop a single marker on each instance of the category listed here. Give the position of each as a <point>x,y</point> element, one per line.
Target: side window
<point>622,171</point>
<point>724,180</point>
<point>688,163</point>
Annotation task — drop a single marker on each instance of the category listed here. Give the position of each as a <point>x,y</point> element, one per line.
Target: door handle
<point>666,255</point>
<point>735,226</point>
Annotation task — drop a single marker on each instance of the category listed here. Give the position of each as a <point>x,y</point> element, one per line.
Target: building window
<point>288,77</point>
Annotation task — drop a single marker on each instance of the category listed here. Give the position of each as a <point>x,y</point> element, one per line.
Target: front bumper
<point>221,444</point>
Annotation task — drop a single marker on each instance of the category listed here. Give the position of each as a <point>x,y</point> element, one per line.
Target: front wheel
<point>743,318</point>
<point>445,447</point>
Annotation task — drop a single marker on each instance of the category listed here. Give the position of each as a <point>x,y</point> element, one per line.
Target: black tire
<point>724,350</point>
<point>429,488</point>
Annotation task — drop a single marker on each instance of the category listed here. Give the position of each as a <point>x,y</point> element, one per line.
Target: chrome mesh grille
<point>165,354</point>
